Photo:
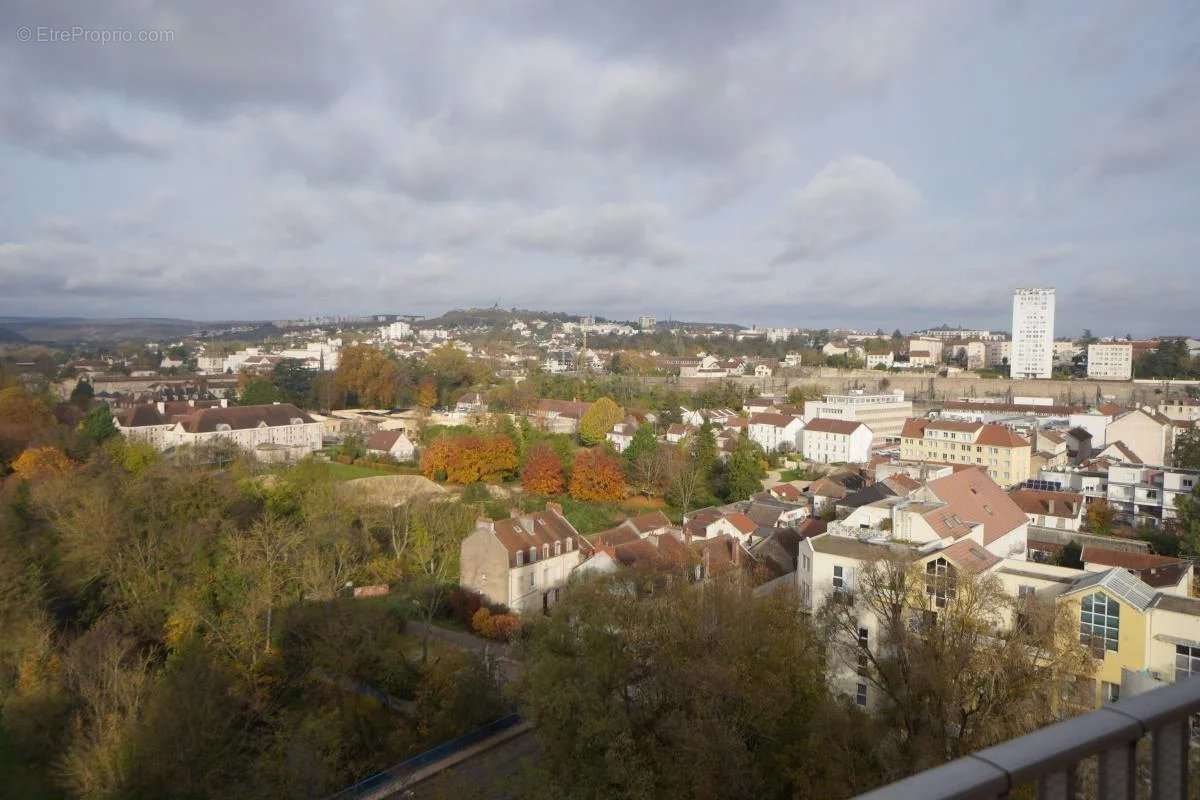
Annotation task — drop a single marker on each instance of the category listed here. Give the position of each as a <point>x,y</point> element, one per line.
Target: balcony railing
<point>1049,757</point>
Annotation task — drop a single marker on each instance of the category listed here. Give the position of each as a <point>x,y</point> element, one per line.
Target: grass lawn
<point>18,779</point>
<point>348,472</point>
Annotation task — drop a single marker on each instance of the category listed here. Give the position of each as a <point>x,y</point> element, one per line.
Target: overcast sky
<point>797,163</point>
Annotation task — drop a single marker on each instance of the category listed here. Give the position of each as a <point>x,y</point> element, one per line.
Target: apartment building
<point>1032,334</point>
<point>1147,434</point>
<point>1005,455</point>
<point>1110,361</point>
<point>883,413</point>
<point>1145,494</point>
<point>834,441</point>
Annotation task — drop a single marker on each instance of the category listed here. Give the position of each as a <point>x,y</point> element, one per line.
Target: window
<point>520,557</point>
<point>939,581</point>
<point>558,548</point>
<point>532,554</point>
<point>1026,593</point>
<point>532,578</point>
<point>863,647</point>
<point>1100,622</point>
<point>860,694</point>
<point>1187,661</point>
<point>839,578</point>
<point>1112,691</point>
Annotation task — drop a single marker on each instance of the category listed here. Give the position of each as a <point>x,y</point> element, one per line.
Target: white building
<point>647,322</point>
<point>394,444</point>
<point>830,441</point>
<point>1110,362</point>
<point>270,427</point>
<point>775,432</point>
<point>395,331</point>
<point>1033,334</point>
<point>884,413</point>
<point>1146,494</point>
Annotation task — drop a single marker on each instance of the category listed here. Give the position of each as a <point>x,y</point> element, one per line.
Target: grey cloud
<point>1159,131</point>
<point>63,130</point>
<point>848,202</point>
<point>619,234</point>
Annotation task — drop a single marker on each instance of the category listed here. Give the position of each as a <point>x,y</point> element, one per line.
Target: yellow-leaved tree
<point>598,420</point>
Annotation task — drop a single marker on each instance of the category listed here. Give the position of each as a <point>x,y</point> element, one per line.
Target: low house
<point>1048,509</point>
<point>678,431</point>
<point>1079,444</point>
<point>786,492</point>
<point>559,416</point>
<point>522,562</point>
<point>1170,575</point>
<point>829,441</point>
<point>471,403</point>
<point>1145,432</point>
<point>622,433</point>
<point>392,444</point>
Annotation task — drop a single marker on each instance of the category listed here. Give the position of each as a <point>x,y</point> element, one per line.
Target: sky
<point>809,164</point>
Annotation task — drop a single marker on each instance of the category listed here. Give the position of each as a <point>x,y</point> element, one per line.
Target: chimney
<point>161,406</point>
<point>485,524</point>
<point>555,507</point>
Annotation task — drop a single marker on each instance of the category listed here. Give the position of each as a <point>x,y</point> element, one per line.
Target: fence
<point>1049,757</point>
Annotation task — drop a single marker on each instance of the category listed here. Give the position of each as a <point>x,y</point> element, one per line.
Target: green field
<point>348,472</point>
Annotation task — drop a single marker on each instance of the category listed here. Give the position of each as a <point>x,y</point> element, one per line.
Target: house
<point>1004,454</point>
<point>559,416</point>
<point>622,433</point>
<point>1170,575</point>
<point>1048,509</point>
<point>885,413</point>
<point>522,562</point>
<point>1049,450</point>
<point>676,432</point>
<point>1079,444</point>
<point>471,403</point>
<point>786,492</point>
<point>775,433</point>
<point>1146,495</point>
<point>770,512</point>
<point>394,444</point>
<point>829,441</point>
<point>1145,432</point>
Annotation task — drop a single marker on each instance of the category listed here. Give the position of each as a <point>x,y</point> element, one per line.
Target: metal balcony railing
<point>1049,757</point>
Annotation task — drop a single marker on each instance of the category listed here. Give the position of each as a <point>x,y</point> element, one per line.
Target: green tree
<point>82,394</point>
<point>1187,522</point>
<point>678,692</point>
<point>258,392</point>
<point>294,382</point>
<point>98,426</point>
<point>704,448</point>
<point>744,471</point>
<point>644,443</point>
<point>1187,449</point>
<point>598,420</point>
<point>1100,517</point>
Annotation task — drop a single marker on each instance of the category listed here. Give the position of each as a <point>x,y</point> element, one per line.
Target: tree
<point>1187,449</point>
<point>1100,517</point>
<point>23,418</point>
<point>438,528</point>
<point>744,471</point>
<point>82,394</point>
<point>427,393</point>
<point>98,426</point>
<point>1187,522</point>
<point>367,376</point>
<point>295,382</point>
<point>467,458</point>
<point>1070,556</point>
<point>597,475</point>
<point>956,662</point>
<point>258,392</point>
<point>598,420</point>
<point>681,694</point>
<point>38,463</point>
<point>704,448</point>
<point>686,481</point>
<point>543,472</point>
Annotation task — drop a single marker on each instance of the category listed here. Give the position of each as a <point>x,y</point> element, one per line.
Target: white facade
<point>1033,334</point>
<point>885,413</point>
<point>647,322</point>
<point>775,432</point>
<point>837,446</point>
<point>1110,362</point>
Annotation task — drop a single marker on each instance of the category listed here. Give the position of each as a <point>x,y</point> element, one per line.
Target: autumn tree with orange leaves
<point>367,376</point>
<point>543,472</point>
<point>427,393</point>
<point>597,475</point>
<point>469,459</point>
<point>41,462</point>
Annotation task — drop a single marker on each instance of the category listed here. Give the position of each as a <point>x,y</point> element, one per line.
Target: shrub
<point>501,627</point>
<point>462,604</point>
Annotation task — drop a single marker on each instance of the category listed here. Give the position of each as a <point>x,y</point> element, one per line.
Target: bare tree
<point>438,529</point>
<point>960,664</point>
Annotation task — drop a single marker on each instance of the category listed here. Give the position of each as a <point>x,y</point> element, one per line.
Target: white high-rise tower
<point>1032,353</point>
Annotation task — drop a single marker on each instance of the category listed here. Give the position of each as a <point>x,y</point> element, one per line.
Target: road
<point>500,652</point>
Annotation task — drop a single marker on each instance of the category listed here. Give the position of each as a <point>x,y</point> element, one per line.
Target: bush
<point>501,627</point>
<point>462,604</point>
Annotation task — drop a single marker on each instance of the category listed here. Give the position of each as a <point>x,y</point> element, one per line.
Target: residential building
<point>393,444</point>
<point>1145,494</point>
<point>275,432</point>
<point>1032,334</point>
<point>884,413</point>
<point>622,433</point>
<point>1049,509</point>
<point>874,360</point>
<point>1170,575</point>
<point>931,348</point>
<point>646,322</point>
<point>522,562</point>
<point>1147,434</point>
<point>1005,455</point>
<point>997,353</point>
<point>830,441</point>
<point>776,433</point>
<point>1180,409</point>
<point>1111,361</point>
<point>559,416</point>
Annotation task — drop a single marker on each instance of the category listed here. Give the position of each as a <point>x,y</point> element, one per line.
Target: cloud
<point>617,234</point>
<point>848,202</point>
